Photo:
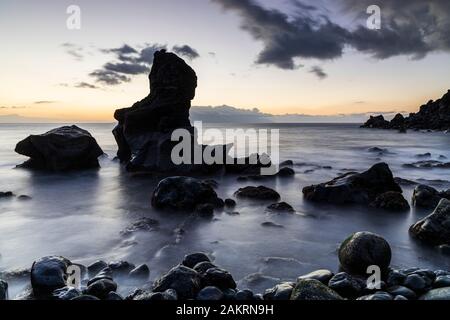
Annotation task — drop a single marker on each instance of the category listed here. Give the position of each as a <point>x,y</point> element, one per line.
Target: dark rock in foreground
<point>61,149</point>
<point>184,194</point>
<point>49,274</point>
<point>185,281</point>
<point>258,193</point>
<point>364,249</point>
<point>355,188</point>
<point>313,290</point>
<point>435,228</point>
<point>3,290</point>
<point>435,115</point>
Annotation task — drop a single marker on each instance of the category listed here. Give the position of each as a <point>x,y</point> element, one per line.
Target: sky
<point>280,56</point>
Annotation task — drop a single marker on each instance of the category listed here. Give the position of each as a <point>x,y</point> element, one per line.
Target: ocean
<point>81,215</point>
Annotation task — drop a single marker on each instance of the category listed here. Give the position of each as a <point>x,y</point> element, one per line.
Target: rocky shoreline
<point>435,115</point>
<point>197,277</point>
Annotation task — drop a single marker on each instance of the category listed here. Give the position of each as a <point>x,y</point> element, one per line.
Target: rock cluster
<point>435,115</point>
<point>198,278</point>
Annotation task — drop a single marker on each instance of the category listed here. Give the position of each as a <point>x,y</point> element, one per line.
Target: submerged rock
<point>313,290</point>
<point>258,193</point>
<point>355,188</point>
<point>364,249</point>
<point>428,197</point>
<point>281,207</point>
<point>391,201</point>
<point>184,193</point>
<point>49,274</point>
<point>62,149</point>
<point>428,164</point>
<point>435,228</point>
<point>7,194</point>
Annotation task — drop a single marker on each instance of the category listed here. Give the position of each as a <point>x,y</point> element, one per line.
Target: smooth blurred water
<point>80,215</point>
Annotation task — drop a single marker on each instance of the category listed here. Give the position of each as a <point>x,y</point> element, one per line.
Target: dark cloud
<point>318,71</point>
<point>85,85</point>
<point>186,51</point>
<point>127,68</point>
<point>109,77</point>
<point>413,28</point>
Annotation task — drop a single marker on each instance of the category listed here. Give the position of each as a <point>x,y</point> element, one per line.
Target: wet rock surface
<point>258,193</point>
<point>184,194</point>
<point>355,188</point>
<point>435,228</point>
<point>62,149</point>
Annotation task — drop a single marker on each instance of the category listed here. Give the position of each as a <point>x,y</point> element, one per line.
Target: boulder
<point>377,296</point>
<point>204,266</point>
<point>281,207</point>
<point>364,249</point>
<point>141,272</point>
<point>258,193</point>
<point>437,294</point>
<point>435,228</point>
<point>218,278</point>
<point>185,281</point>
<point>282,291</point>
<point>428,197</point>
<point>144,295</point>
<point>347,285</point>
<point>210,294</point>
<point>402,291</point>
<point>49,274</point>
<point>323,276</point>
<point>192,260</point>
<point>101,288</point>
<point>313,290</point>
<point>120,268</point>
<point>62,149</point>
<point>184,194</point>
<point>95,267</point>
<point>391,201</point>
<point>354,188</point>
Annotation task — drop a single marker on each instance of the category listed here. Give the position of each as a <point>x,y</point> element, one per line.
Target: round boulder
<point>49,274</point>
<point>184,194</point>
<point>364,249</point>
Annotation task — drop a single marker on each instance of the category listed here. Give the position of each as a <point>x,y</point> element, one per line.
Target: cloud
<point>412,28</point>
<point>85,85</point>
<point>44,102</point>
<point>129,61</point>
<point>186,51</point>
<point>228,114</point>
<point>109,77</point>
<point>74,50</point>
<point>318,71</point>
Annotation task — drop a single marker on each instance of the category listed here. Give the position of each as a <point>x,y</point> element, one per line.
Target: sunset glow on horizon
<point>49,71</point>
